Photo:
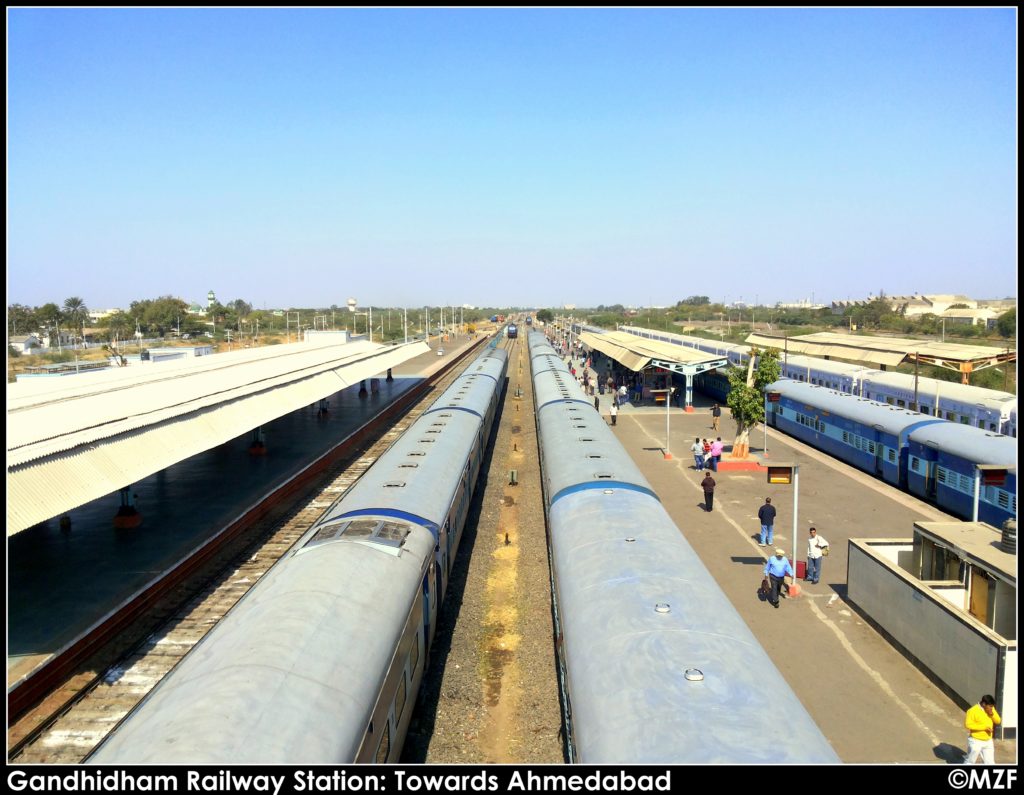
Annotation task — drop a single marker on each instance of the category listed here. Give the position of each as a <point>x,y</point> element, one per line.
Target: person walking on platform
<point>817,547</point>
<point>776,570</point>
<point>613,411</point>
<point>698,454</point>
<point>980,722</point>
<point>766,515</point>
<point>716,415</point>
<point>708,484</point>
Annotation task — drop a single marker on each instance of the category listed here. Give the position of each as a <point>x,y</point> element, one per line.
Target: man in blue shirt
<point>776,568</point>
<point>766,514</point>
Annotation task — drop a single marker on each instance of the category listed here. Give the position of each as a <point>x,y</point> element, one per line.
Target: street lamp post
<point>668,402</point>
<point>784,474</point>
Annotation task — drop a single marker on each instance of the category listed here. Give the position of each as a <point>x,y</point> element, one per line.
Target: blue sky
<point>503,157</point>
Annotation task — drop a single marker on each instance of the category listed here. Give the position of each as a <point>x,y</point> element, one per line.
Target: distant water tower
<point>211,299</point>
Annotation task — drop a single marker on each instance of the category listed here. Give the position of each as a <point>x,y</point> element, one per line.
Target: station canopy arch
<point>638,353</point>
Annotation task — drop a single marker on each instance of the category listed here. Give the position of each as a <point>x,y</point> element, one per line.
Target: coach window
<point>385,745</point>
<point>400,699</point>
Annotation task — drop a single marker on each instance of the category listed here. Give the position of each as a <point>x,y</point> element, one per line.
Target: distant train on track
<point>931,458</point>
<point>656,666</point>
<point>988,409</point>
<point>321,661</point>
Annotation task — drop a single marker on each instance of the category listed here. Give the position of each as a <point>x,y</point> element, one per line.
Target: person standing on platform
<point>716,415</point>
<point>623,392</point>
<point>766,515</point>
<point>776,570</point>
<point>817,546</point>
<point>980,722</point>
<point>708,484</point>
<point>698,454</point>
<point>613,411</point>
<point>716,453</point>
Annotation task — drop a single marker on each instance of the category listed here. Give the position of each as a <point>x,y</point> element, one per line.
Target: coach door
<point>879,450</point>
<point>930,479</point>
<point>978,606</point>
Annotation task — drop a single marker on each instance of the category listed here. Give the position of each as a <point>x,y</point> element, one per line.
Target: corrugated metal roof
<point>72,443</point>
<point>637,352</point>
<point>883,350</point>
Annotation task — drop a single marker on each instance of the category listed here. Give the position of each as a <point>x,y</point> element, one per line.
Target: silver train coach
<point>321,661</point>
<point>656,665</point>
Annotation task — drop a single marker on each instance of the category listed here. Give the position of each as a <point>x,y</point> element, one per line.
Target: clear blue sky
<point>509,157</point>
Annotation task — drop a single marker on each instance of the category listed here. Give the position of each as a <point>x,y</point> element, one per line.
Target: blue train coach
<point>866,434</point>
<point>943,468</point>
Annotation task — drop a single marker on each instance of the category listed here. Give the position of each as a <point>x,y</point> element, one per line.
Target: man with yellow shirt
<point>980,722</point>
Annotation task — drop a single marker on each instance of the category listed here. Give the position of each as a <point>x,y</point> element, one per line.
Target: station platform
<point>60,583</point>
<point>871,702</point>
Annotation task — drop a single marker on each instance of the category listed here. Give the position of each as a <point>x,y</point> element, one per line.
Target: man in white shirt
<point>817,546</point>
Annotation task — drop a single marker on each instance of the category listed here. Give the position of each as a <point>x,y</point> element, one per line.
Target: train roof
<point>827,365</point>
<point>260,688</point>
<point>891,419</point>
<point>654,647</point>
<point>473,390</point>
<point>964,393</point>
<point>401,477</point>
<point>965,441</point>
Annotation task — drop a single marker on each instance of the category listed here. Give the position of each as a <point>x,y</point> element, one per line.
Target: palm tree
<point>76,313</point>
<point>119,326</point>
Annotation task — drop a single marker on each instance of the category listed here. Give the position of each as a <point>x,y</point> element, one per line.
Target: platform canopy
<point>889,351</point>
<point>636,353</point>
<point>74,439</point>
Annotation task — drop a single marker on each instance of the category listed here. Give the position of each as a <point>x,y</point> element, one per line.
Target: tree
<point>241,308</point>
<point>746,396</point>
<point>545,316</point>
<point>695,300</point>
<point>118,326</point>
<point>160,315</point>
<point>1006,323</point>
<point>50,316</point>
<point>21,319</point>
<point>75,314</point>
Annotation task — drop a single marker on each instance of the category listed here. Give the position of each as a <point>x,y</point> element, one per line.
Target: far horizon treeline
<point>167,315</point>
<point>160,316</point>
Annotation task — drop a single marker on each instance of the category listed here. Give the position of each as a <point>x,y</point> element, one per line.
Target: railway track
<point>78,702</point>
